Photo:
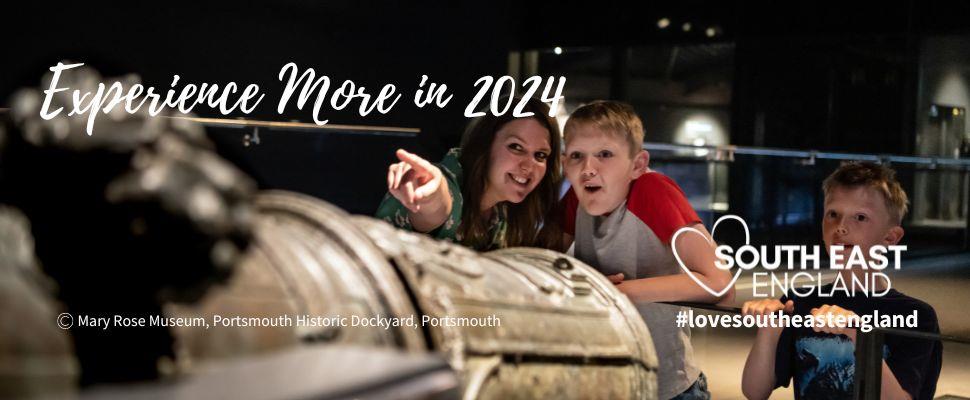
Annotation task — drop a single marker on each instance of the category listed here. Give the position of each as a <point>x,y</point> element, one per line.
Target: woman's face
<point>517,162</point>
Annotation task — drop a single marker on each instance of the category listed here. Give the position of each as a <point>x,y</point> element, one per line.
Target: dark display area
<point>747,106</point>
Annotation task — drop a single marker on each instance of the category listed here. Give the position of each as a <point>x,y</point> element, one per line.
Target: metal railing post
<point>868,365</point>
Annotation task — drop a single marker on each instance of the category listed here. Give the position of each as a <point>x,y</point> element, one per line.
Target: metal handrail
<point>730,150</point>
<point>298,126</point>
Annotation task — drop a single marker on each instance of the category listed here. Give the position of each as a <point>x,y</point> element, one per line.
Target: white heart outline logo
<point>673,246</point>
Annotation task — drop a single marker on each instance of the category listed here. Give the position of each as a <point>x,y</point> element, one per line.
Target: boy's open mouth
<point>522,181</point>
<point>590,188</point>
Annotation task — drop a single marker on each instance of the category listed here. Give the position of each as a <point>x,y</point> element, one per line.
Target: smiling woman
<point>496,191</point>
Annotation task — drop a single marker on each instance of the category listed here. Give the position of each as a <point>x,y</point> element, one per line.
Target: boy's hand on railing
<point>829,314</point>
<point>758,378</point>
<point>766,307</point>
<point>413,180</point>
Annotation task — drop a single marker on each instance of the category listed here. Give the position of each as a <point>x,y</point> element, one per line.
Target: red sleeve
<point>570,203</point>
<point>661,204</point>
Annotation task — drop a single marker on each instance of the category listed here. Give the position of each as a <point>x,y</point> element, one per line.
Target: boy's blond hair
<point>872,175</point>
<point>613,117</point>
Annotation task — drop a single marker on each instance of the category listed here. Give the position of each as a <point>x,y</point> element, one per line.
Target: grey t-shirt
<point>635,239</point>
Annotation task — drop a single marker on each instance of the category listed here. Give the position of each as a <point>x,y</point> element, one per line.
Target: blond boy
<point>621,217</point>
<point>864,207</point>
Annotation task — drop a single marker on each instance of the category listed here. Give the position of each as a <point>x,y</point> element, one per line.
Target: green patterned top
<point>391,210</point>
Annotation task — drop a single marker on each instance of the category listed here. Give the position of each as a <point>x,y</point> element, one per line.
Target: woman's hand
<point>413,179</point>
<point>421,188</point>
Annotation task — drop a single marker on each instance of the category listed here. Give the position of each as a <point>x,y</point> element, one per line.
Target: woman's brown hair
<point>525,218</point>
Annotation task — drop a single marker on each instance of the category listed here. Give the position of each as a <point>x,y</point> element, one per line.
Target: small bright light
<point>557,50</point>
<point>710,32</point>
<point>700,152</point>
<point>686,27</point>
<point>694,127</point>
<point>697,130</point>
<point>663,23</point>
<point>956,111</point>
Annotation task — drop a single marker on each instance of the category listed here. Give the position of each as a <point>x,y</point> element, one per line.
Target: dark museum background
<point>801,84</point>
